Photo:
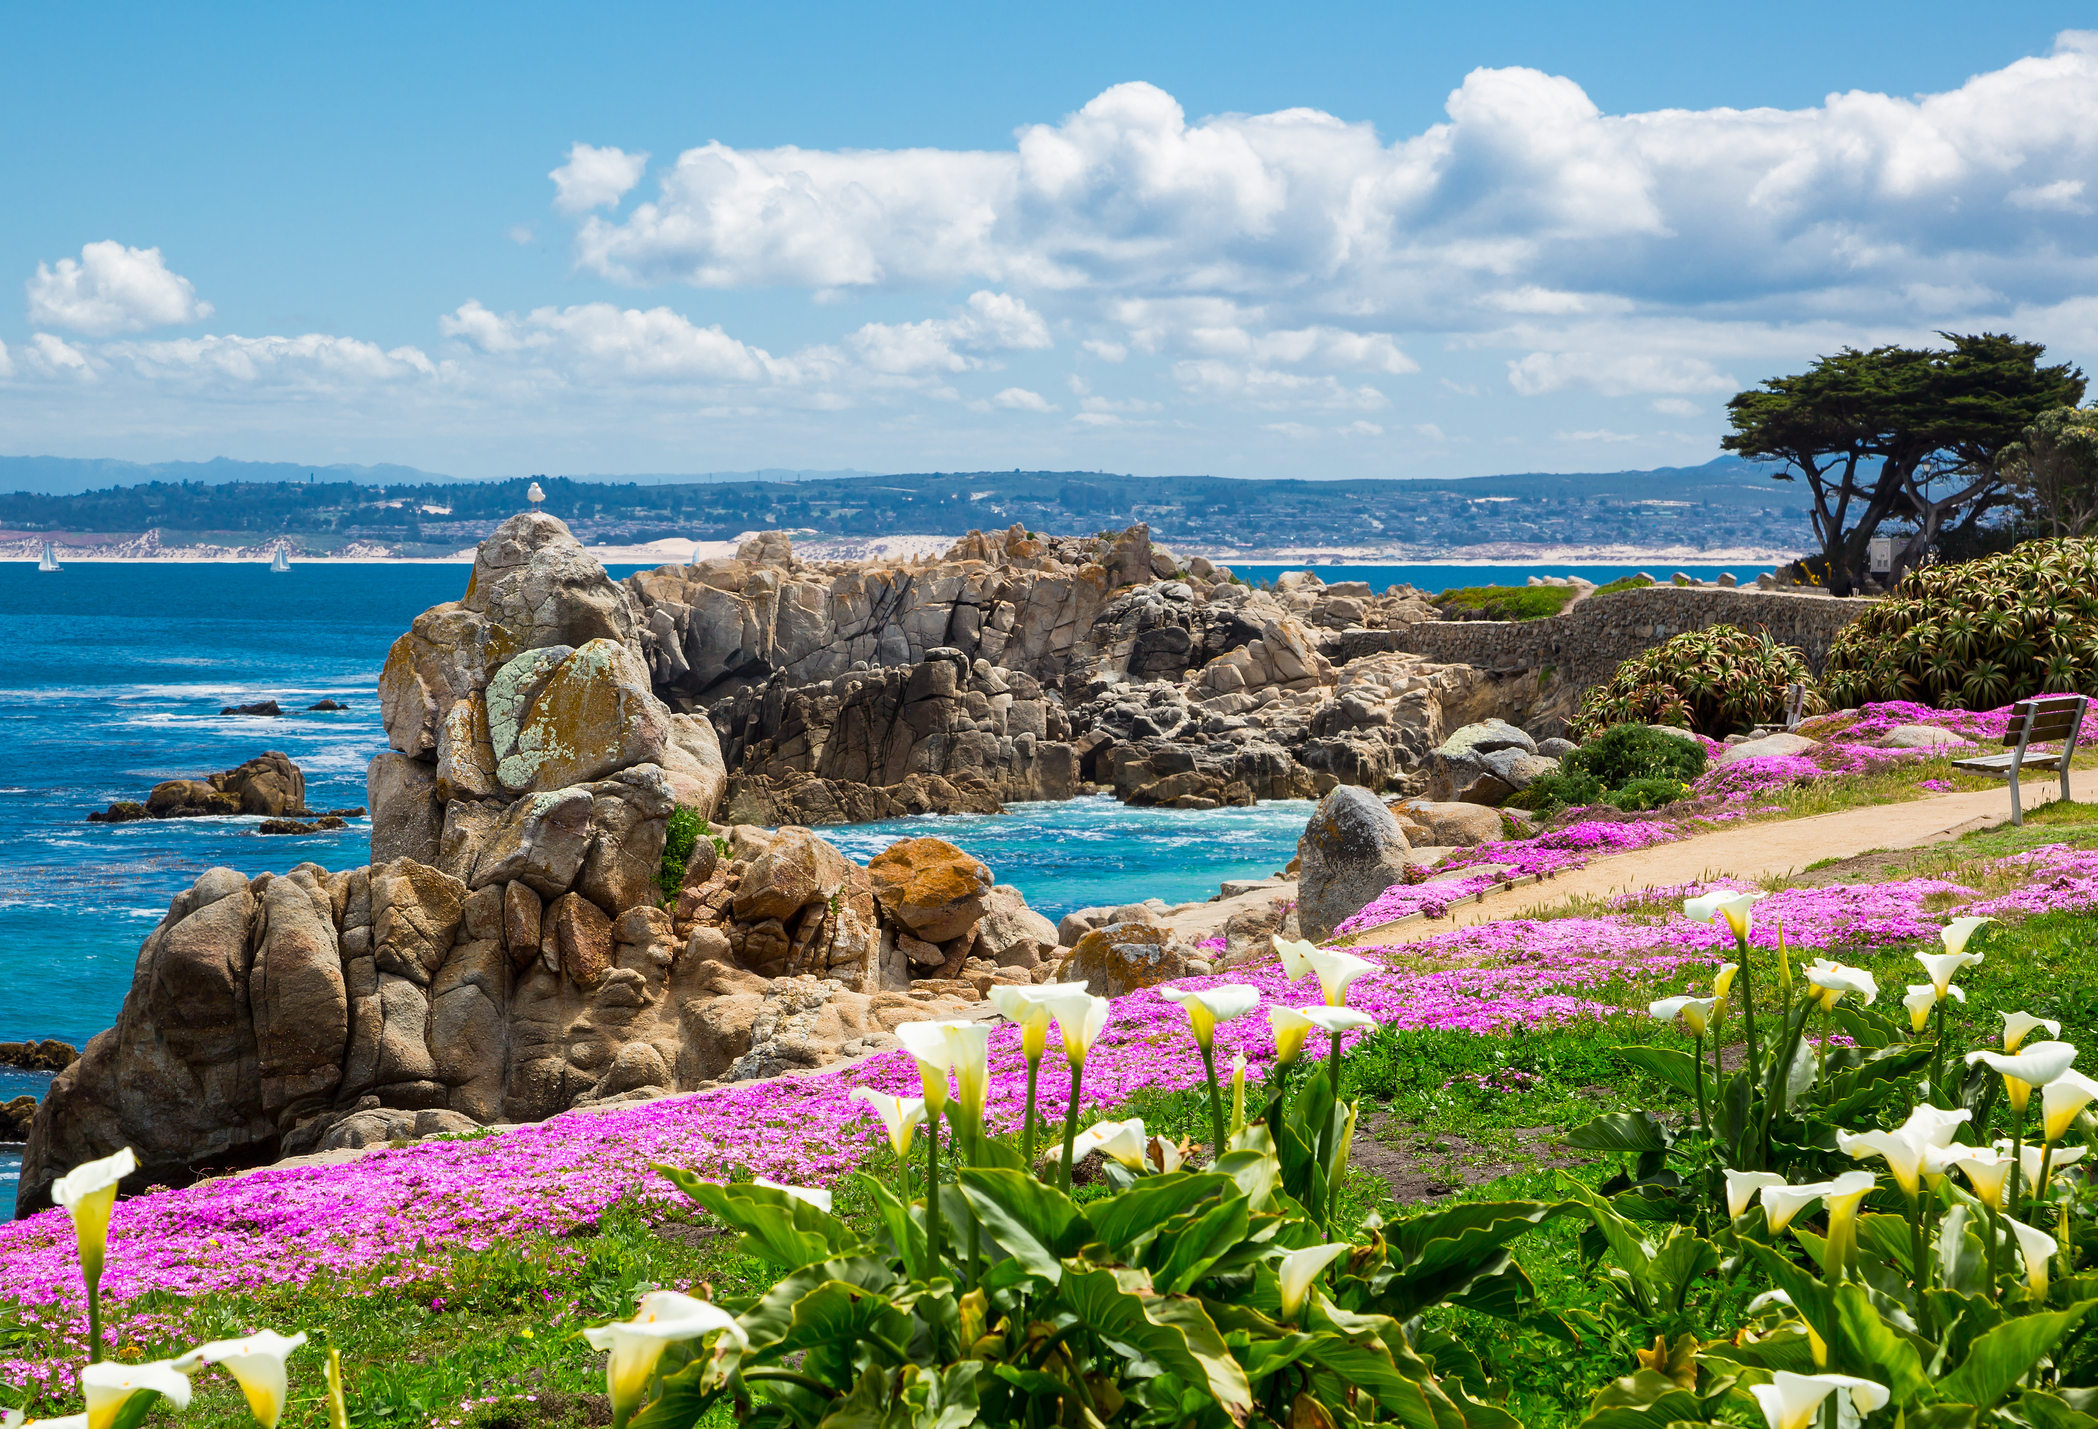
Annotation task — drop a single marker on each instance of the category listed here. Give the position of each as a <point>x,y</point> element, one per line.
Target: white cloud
<point>594,177</point>
<point>1121,404</point>
<point>1215,380</point>
<point>1596,435</point>
<point>1360,429</point>
<point>1431,431</point>
<point>1295,430</point>
<point>2062,196</point>
<point>112,289</point>
<point>1616,374</point>
<point>1106,351</point>
<point>521,234</point>
<point>1019,399</point>
<point>1675,407</point>
<point>992,322</point>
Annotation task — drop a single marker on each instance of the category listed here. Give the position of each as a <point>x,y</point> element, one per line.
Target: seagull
<point>535,496</point>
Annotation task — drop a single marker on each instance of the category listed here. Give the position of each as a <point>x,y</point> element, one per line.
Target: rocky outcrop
<point>1350,852</point>
<point>269,784</point>
<point>942,736</point>
<point>1485,763</point>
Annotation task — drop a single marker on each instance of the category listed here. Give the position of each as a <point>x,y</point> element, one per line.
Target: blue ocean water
<point>112,677</point>
<point>1438,578</point>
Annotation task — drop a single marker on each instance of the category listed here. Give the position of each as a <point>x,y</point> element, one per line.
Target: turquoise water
<point>111,679</point>
<point>1438,578</point>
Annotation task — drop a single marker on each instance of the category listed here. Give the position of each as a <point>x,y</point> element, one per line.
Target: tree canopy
<point>1918,434</point>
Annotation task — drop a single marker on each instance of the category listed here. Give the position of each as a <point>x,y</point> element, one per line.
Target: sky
<point>1248,240</point>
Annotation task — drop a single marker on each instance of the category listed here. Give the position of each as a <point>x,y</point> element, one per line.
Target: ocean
<point>1435,579</point>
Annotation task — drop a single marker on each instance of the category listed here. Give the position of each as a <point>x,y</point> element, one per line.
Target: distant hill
<point>1722,503</point>
<point>68,476</point>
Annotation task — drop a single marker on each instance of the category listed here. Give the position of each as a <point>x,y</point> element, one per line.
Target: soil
<point>1420,1166</point>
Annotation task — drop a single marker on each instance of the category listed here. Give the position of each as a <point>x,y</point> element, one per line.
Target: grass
<point>1622,583</point>
<point>1507,602</point>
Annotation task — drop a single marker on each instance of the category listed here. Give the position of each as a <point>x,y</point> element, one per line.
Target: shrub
<point>1549,793</point>
<point>1622,583</point>
<point>1643,794</point>
<point>1713,681</point>
<point>1503,602</point>
<point>1977,635</point>
<point>1624,753</point>
<point>679,839</point>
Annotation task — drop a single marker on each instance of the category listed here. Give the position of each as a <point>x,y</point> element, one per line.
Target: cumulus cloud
<point>594,177</point>
<point>1019,399</point>
<point>112,289</point>
<point>1616,374</point>
<point>991,322</point>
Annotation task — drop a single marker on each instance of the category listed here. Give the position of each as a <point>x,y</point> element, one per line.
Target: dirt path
<point>1752,851</point>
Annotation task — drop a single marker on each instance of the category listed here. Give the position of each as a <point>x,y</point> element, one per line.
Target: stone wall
<point>1585,645</point>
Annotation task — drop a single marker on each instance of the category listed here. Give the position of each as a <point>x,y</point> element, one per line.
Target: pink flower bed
<point>405,1211</point>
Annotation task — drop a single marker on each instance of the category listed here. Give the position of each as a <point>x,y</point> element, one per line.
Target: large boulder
<point>1120,958</point>
<point>406,814</point>
<point>1919,736</point>
<point>589,714</point>
<point>267,784</point>
<point>1350,852</point>
<point>1769,746</point>
<point>1453,825</point>
<point>930,887</point>
<point>799,869</point>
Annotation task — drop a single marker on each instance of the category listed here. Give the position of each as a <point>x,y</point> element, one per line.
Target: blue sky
<point>1312,240</point>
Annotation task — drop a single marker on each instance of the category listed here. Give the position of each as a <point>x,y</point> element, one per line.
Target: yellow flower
<point>2033,1066</point>
<point>1291,1028</point>
<point>1031,1007</point>
<point>1081,1019</point>
<point>899,1116</point>
<point>1208,1006</point>
<point>2060,1101</point>
<point>1736,908</point>
<point>1723,981</point>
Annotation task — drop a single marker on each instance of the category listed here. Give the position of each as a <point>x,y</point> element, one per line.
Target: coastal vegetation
<point>1504,602</point>
<point>1713,681</point>
<point>1628,766</point>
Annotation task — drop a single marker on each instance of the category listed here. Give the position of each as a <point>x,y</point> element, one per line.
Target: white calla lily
<point>1986,1170</point>
<point>257,1366</point>
<point>89,1194</point>
<point>12,1419</point>
<point>1934,1125</point>
<point>1291,1028</point>
<point>2060,1101</point>
<point>1923,999</point>
<point>2035,1248</point>
<point>927,1043</point>
<point>1337,1019</point>
<point>1032,1007</point>
<point>2031,1158</point>
<point>1940,968</point>
<point>1295,954</point>
<point>1954,935</point>
<point>1122,1141</point>
<point>821,1200</point>
<point>664,1318</point>
<point>1081,1018</point>
<point>1695,1012</point>
<point>107,1386</point>
<point>1736,908</point>
<point>1782,1202</point>
<point>1299,1271</point>
<point>2017,1026</point>
<point>1902,1151</point>
<point>1336,971</point>
<point>1742,1188</point>
<point>899,1115</point>
<point>1790,1401</point>
<point>1834,980</point>
<point>2032,1066</point>
<point>1723,981</point>
<point>1208,1006</point>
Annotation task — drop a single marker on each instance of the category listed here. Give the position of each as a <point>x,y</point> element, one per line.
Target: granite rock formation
<point>269,784</point>
<point>1350,852</point>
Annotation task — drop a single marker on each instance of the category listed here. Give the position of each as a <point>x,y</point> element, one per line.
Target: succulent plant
<point>1713,681</point>
<point>1978,634</point>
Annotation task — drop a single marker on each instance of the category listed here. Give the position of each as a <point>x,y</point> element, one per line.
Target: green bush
<point>679,839</point>
<point>1627,752</point>
<point>1622,583</point>
<point>1549,793</point>
<point>1503,602</point>
<point>1977,635</point>
<point>1643,794</point>
<point>1713,681</point>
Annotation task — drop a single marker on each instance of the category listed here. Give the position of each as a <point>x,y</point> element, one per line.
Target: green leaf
<point>2001,1357</point>
<point>136,1406</point>
<point>1037,1224</point>
<point>866,1407</point>
<point>770,1318</point>
<point>1668,1065</point>
<point>1191,1251</point>
<point>1622,1131</point>
<point>840,1318</point>
<point>2048,1411</point>
<point>1175,1333</point>
<point>1886,1237</point>
<point>777,1227</point>
<point>1868,1346</point>
<point>1963,1260</point>
<point>906,1232</point>
<point>1680,1260</point>
<point>1457,1235</point>
<point>949,1397</point>
<point>1810,1296</point>
<point>1120,1221</point>
<point>680,1400</point>
<point>1366,1362</point>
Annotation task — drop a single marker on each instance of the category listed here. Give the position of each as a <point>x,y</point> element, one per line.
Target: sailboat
<point>280,562</point>
<point>49,560</point>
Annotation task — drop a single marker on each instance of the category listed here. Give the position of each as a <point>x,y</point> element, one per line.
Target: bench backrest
<point>2047,720</point>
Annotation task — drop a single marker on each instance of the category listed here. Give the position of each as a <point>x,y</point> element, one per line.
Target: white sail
<point>280,562</point>
<point>49,560</point>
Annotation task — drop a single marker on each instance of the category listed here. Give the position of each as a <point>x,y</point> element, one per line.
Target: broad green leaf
<point>1868,1346</point>
<point>1886,1237</point>
<point>1680,1260</point>
<point>1119,1222</point>
<point>1668,1065</point>
<point>906,1231</point>
<point>2047,1411</point>
<point>1366,1362</point>
<point>680,1400</point>
<point>838,1316</point>
<point>2001,1357</point>
<point>950,1400</point>
<point>1810,1296</point>
<point>777,1227</point>
<point>1963,1259</point>
<point>1621,1131</point>
<point>1037,1224</point>
<point>1943,1416</point>
<point>867,1406</point>
<point>1191,1251</point>
<point>1455,1236</point>
<point>770,1318</point>
<point>1633,1252</point>
<point>1506,1293</point>
<point>1677,1404</point>
<point>1175,1333</point>
<point>1256,1170</point>
<point>136,1406</point>
<point>1264,1357</point>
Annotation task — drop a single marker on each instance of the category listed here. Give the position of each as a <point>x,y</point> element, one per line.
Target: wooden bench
<point>2045,720</point>
<point>1795,708</point>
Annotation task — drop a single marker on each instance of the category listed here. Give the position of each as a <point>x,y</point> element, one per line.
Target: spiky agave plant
<point>1977,634</point>
<point>1714,681</point>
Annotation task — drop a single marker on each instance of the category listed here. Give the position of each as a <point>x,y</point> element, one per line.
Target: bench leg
<point>2017,812</point>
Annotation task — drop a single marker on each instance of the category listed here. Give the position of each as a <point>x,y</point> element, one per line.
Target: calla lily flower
<point>2031,1157</point>
<point>1935,1126</point>
<point>1954,936</point>
<point>2036,1248</point>
<point>1696,1012</point>
<point>1902,1152</point>
<point>1336,971</point>
<point>1842,1198</point>
<point>1208,1006</point>
<point>89,1194</point>
<point>1122,1141</point>
<point>2017,1026</point>
<point>1741,1189</point>
<point>1723,981</point>
<point>1834,980</point>
<point>821,1200</point>
<point>899,1116</point>
<point>1032,1007</point>
<point>1238,1092</point>
<point>1940,967</point>
<point>1163,1156</point>
<point>1782,1202</point>
<point>1986,1170</point>
<point>927,1042</point>
<point>1291,1028</point>
<point>1300,1270</point>
<point>107,1386</point>
<point>2034,1066</point>
<point>1923,1000</point>
<point>1336,1019</point>
<point>1790,1400</point>
<point>664,1318</point>
<point>1736,908</point>
<point>1081,1018</point>
<point>257,1366</point>
<point>2060,1101</point>
<point>12,1419</point>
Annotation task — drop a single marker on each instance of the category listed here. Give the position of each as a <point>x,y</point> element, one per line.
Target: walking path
<point>1751,851</point>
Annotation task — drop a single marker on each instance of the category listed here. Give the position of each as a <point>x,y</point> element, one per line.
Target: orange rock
<point>930,887</point>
